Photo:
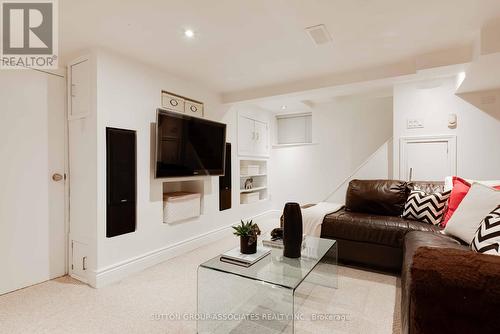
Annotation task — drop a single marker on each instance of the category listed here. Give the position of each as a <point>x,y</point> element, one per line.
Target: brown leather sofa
<point>370,232</point>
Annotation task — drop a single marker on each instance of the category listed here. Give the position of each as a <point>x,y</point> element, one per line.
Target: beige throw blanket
<point>312,217</point>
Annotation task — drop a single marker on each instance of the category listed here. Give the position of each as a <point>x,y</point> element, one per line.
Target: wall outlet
<point>414,123</point>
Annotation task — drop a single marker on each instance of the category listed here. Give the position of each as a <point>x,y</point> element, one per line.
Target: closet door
<point>121,181</point>
<point>429,158</point>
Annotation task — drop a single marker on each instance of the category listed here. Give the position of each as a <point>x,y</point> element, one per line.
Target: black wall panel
<point>225,182</point>
<point>121,182</point>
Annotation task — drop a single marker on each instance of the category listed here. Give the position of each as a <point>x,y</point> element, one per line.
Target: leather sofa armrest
<point>454,291</point>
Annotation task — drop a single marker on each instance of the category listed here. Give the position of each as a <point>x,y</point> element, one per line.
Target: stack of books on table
<point>268,241</point>
<point>234,256</point>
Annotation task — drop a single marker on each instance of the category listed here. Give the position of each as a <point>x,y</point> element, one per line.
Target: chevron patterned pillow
<point>424,207</point>
<point>487,238</point>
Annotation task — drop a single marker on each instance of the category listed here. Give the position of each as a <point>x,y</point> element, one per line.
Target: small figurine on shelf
<point>249,183</point>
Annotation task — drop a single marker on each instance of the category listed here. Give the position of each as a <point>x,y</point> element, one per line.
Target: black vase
<point>246,248</point>
<point>292,230</point>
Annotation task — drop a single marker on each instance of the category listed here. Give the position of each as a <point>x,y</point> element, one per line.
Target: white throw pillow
<point>448,182</point>
<point>479,201</point>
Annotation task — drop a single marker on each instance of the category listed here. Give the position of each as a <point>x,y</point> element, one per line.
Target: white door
<point>428,158</point>
<point>261,138</point>
<point>246,136</point>
<point>32,145</point>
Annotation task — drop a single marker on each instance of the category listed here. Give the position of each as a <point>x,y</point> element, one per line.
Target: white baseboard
<point>120,270</point>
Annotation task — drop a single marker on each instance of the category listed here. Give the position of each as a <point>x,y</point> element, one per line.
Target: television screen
<point>187,146</point>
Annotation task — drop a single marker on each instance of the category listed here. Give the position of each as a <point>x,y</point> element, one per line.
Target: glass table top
<point>277,269</point>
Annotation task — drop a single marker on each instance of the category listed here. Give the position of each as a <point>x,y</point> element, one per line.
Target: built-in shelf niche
<point>257,170</point>
<point>190,185</point>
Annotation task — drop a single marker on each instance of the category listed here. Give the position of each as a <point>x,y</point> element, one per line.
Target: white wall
<point>478,132</point>
<point>377,166</point>
<point>128,94</point>
<point>346,132</point>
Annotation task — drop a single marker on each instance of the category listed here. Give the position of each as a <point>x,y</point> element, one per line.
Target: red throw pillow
<point>460,189</point>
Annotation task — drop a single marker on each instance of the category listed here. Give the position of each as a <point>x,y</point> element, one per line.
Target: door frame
<point>451,140</point>
<point>63,74</point>
<point>67,191</point>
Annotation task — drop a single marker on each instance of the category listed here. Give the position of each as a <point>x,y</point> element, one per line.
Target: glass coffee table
<point>265,297</point>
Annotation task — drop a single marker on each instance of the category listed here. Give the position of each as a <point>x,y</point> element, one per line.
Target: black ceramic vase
<point>292,230</point>
<point>246,248</point>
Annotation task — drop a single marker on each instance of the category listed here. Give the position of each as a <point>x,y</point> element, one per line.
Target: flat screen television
<point>187,146</point>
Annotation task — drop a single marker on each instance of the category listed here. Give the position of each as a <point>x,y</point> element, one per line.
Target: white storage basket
<point>178,206</point>
<point>250,170</point>
<point>247,198</point>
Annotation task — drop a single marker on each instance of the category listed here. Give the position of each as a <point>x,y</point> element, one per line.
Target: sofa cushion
<point>425,207</point>
<point>383,197</point>
<point>376,229</point>
<point>479,201</point>
<point>459,190</point>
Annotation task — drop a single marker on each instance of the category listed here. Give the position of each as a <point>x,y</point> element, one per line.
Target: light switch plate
<point>414,123</point>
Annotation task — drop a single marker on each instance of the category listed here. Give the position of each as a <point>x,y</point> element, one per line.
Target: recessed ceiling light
<point>189,33</point>
<point>283,107</point>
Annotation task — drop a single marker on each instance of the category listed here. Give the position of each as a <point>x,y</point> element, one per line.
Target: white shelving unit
<point>255,169</point>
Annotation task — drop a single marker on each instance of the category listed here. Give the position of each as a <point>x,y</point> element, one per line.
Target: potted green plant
<point>248,233</point>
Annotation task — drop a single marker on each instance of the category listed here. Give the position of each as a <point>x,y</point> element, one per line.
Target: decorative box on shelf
<point>181,104</point>
<point>250,170</point>
<point>247,198</point>
<point>179,206</point>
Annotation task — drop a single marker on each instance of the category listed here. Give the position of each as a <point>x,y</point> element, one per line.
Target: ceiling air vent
<point>319,35</point>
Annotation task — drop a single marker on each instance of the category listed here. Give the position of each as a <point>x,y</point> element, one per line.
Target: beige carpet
<point>366,302</point>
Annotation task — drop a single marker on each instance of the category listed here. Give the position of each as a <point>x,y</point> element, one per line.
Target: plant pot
<point>245,248</point>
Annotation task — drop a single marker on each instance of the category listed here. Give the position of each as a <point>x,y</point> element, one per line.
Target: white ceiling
<point>243,45</point>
